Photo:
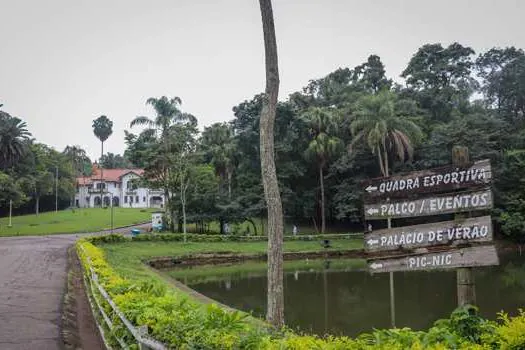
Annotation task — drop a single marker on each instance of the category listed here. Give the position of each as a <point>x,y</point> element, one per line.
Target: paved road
<point>32,282</point>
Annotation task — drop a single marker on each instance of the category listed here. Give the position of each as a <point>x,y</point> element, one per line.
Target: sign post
<point>466,286</point>
<point>460,244</point>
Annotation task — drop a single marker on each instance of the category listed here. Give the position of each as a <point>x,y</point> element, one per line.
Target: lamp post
<point>111,201</point>
<point>56,189</point>
<point>10,212</point>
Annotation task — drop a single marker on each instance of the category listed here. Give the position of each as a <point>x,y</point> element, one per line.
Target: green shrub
<point>193,237</point>
<point>183,323</point>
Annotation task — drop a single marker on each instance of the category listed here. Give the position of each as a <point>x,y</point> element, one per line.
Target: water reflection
<point>330,297</point>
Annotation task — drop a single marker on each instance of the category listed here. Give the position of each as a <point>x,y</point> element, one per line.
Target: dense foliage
<point>352,124</point>
<point>182,322</point>
<point>32,173</point>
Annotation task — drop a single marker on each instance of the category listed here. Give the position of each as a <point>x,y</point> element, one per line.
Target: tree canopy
<point>352,123</point>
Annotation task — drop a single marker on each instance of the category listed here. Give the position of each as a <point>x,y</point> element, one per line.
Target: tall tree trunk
<point>380,160</point>
<point>385,161</point>
<point>184,219</point>
<point>386,172</point>
<point>221,224</point>
<point>37,205</point>
<point>183,205</point>
<point>229,174</point>
<point>275,309</point>
<point>321,182</point>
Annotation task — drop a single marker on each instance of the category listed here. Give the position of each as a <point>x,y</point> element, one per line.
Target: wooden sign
<point>466,257</point>
<point>445,204</point>
<point>433,180</point>
<point>440,233</point>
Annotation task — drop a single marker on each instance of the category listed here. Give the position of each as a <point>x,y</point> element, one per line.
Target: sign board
<point>156,221</point>
<point>471,230</point>
<point>466,257</point>
<point>444,204</point>
<point>434,180</point>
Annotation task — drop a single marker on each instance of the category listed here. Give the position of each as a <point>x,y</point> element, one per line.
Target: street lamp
<point>111,201</point>
<point>56,189</point>
<point>10,212</point>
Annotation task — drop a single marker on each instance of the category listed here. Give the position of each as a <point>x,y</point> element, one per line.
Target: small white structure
<point>116,187</point>
<point>156,221</point>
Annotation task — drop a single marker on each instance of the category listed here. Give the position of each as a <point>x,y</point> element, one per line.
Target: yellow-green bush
<point>183,323</point>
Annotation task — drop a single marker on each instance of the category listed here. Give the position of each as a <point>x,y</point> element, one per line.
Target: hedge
<point>192,237</point>
<point>180,322</point>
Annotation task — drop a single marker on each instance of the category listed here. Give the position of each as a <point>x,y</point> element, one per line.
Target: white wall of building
<point>124,194</point>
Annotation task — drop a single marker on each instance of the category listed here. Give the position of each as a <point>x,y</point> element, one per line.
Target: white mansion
<point>120,188</point>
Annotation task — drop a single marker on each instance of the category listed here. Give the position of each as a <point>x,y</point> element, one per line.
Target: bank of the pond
<point>182,322</point>
<point>129,257</point>
<point>206,273</point>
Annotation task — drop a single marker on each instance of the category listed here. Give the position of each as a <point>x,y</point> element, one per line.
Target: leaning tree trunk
<point>275,309</point>
<point>323,218</point>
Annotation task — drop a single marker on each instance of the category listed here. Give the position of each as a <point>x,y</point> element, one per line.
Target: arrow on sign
<point>372,211</point>
<point>371,188</point>
<point>376,266</point>
<point>372,241</point>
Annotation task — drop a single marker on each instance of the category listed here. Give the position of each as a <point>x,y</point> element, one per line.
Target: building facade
<point>117,187</point>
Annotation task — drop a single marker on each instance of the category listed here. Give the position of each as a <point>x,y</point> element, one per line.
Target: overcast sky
<point>65,62</point>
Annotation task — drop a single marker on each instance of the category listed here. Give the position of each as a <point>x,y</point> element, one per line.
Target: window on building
<point>125,199</point>
<point>132,185</point>
<point>144,199</point>
<point>101,185</point>
<point>137,199</point>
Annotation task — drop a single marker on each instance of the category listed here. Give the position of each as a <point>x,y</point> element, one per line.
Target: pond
<point>341,297</point>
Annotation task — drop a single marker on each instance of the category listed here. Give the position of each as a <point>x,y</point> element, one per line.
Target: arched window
<point>98,202</point>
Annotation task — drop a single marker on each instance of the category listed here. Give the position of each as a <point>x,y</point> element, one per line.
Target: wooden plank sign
<point>433,180</point>
<point>444,204</point>
<point>440,233</point>
<point>466,257</point>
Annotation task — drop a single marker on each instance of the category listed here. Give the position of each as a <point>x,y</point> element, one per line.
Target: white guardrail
<point>111,321</point>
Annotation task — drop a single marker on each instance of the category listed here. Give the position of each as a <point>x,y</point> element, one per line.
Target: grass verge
<point>72,221</point>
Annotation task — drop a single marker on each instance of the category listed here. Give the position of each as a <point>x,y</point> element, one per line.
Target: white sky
<point>65,62</point>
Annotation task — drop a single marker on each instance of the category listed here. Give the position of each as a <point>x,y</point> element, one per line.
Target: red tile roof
<point>113,175</point>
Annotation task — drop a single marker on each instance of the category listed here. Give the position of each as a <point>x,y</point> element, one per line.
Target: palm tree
<point>385,128</point>
<point>323,146</point>
<point>13,139</point>
<point>102,128</point>
<point>168,114</point>
<point>218,143</point>
<point>78,158</point>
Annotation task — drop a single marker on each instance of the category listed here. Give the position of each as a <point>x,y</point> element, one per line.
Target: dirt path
<point>32,282</point>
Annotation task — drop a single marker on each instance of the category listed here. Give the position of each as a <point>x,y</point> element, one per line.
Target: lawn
<point>69,221</point>
<point>127,257</point>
